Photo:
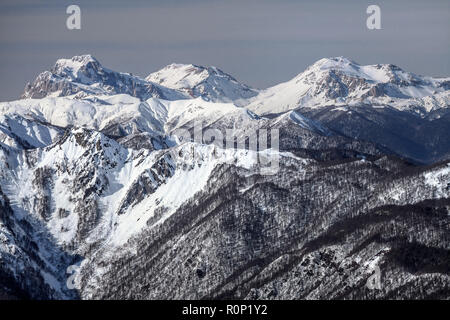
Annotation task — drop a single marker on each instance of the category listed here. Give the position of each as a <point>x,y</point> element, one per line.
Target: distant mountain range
<point>405,113</point>
<point>94,177</point>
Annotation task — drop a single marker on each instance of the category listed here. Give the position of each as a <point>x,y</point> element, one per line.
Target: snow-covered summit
<point>179,76</point>
<point>84,75</point>
<point>72,66</point>
<point>337,81</point>
<point>210,83</point>
<point>378,73</point>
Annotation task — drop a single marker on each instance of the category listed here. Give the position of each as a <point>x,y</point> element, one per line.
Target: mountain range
<point>100,198</point>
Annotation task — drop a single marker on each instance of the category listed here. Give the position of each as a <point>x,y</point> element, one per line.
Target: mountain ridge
<point>98,186</point>
<point>340,81</point>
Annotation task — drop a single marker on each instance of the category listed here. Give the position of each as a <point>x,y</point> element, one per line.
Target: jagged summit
<point>75,64</point>
<point>83,68</point>
<point>84,75</point>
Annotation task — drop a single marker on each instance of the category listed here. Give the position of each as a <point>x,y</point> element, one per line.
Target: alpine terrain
<point>114,186</point>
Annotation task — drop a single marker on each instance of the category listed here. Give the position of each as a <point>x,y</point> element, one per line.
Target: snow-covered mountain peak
<point>81,59</point>
<point>376,73</point>
<point>84,75</point>
<point>210,83</point>
<point>334,62</point>
<point>341,66</point>
<point>72,66</point>
<point>82,69</point>
<point>341,81</point>
<point>179,76</point>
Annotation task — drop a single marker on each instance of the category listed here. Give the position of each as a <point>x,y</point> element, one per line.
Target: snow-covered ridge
<point>379,73</point>
<point>102,112</point>
<point>81,92</point>
<point>84,75</point>
<point>90,113</point>
<point>329,81</point>
<point>340,81</point>
<point>84,170</point>
<point>18,132</point>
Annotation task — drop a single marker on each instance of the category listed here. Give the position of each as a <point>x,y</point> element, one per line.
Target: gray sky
<point>260,42</point>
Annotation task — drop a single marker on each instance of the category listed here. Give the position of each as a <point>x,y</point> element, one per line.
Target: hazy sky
<point>260,42</point>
